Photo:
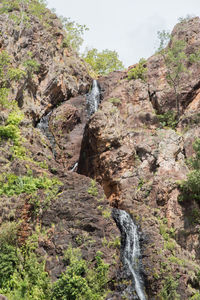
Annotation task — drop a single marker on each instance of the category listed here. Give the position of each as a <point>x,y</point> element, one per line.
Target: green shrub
<point>196,296</point>
<point>168,291</point>
<point>21,275</point>
<point>10,132</point>
<point>15,117</point>
<point>139,71</point>
<point>8,74</point>
<point>12,184</point>
<point>31,66</point>
<point>114,100</point>
<point>93,190</point>
<point>168,119</point>
<point>190,188</point>
<point>8,233</point>
<point>8,262</point>
<point>177,260</point>
<point>79,281</point>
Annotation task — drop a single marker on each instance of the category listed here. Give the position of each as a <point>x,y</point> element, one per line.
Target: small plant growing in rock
<point>93,190</point>
<point>168,119</point>
<point>190,188</point>
<point>31,66</point>
<point>175,60</point>
<point>169,290</point>
<point>8,74</point>
<point>114,101</point>
<point>139,71</point>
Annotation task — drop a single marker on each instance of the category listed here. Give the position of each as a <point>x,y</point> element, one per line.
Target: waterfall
<point>43,125</point>
<point>93,98</point>
<point>75,166</point>
<point>130,249</point>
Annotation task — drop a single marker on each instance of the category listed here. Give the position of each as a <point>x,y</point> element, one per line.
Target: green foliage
<point>79,281</point>
<point>74,34</point>
<point>37,8</point>
<point>190,188</point>
<point>31,66</point>
<point>8,262</point>
<point>15,74</point>
<point>114,243</point>
<point>11,129</point>
<point>185,19</point>
<point>15,117</point>
<point>106,213</point>
<point>168,291</point>
<point>103,62</point>
<point>194,162</point>
<point>114,101</point>
<point>93,190</point>
<point>194,57</point>
<point>25,8</point>
<point>8,253</point>
<point>12,184</point>
<point>141,183</point>
<point>23,277</point>
<point>139,71</point>
<point>8,74</point>
<point>168,119</point>
<point>175,59</point>
<point>177,260</point>
<point>164,38</point>
<point>196,296</point>
<point>8,233</point>
<point>10,132</point>
<point>169,245</point>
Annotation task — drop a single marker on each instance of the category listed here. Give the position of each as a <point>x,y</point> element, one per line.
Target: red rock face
<point>67,125</point>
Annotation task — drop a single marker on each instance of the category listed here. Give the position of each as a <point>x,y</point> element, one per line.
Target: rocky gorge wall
<point>135,161</point>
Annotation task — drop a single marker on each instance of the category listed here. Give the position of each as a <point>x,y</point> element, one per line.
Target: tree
<point>139,71</point>
<point>175,60</point>
<point>74,33</point>
<point>103,62</point>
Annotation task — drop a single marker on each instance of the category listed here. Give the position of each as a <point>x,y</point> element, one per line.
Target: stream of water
<point>93,99</point>
<point>130,249</point>
<point>43,125</point>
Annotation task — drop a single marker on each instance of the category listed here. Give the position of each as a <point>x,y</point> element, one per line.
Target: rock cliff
<point>135,160</point>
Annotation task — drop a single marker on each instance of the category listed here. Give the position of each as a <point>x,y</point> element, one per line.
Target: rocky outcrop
<point>67,125</point>
<point>54,72</point>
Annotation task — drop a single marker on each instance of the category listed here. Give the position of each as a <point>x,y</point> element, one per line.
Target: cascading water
<point>74,168</point>
<point>43,125</point>
<point>130,249</point>
<point>93,98</point>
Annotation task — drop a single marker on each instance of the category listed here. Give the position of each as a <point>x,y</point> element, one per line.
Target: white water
<point>131,250</point>
<point>43,125</point>
<point>74,167</point>
<point>93,98</point>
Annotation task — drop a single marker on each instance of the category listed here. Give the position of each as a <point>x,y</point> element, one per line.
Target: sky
<point>127,26</point>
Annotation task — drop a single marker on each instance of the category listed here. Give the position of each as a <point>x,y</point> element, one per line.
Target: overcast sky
<point>127,26</point>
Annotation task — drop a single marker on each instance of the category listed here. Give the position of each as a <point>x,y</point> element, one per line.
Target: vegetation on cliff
<point>103,62</point>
